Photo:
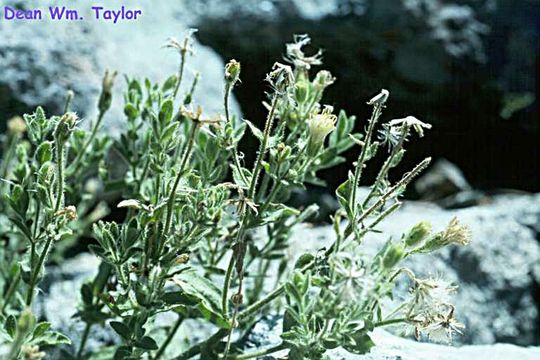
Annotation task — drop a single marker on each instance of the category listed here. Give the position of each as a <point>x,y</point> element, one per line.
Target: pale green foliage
<point>192,207</point>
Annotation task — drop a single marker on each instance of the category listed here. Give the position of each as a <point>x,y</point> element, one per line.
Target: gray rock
<point>443,179</point>
<point>388,346</point>
<point>41,60</point>
<point>497,273</point>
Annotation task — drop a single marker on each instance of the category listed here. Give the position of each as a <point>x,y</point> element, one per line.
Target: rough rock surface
<point>43,59</point>
<point>498,273</point>
<point>391,347</point>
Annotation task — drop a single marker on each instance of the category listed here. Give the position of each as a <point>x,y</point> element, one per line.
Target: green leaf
<point>255,130</point>
<point>121,329</point>
<point>40,329</point>
<point>210,295</point>
<point>147,343</point>
<point>44,152</point>
<point>11,326</point>
<point>166,112</point>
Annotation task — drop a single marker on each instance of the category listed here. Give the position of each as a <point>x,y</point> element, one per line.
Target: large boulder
<point>41,60</point>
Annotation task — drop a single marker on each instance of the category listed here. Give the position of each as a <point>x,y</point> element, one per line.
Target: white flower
<point>444,328</point>
<point>430,295</point>
<point>380,98</point>
<point>319,126</point>
<point>413,122</point>
<point>296,56</point>
<point>280,77</point>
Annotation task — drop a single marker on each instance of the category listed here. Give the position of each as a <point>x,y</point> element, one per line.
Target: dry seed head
<point>182,259</point>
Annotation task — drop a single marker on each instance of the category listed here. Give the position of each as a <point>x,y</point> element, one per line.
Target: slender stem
<point>228,118</point>
<point>83,340</point>
<point>389,322</point>
<point>10,292</point>
<point>263,147</point>
<point>226,286</point>
<point>169,338</point>
<point>363,154</point>
<point>172,195</point>
<point>37,270</point>
<point>77,161</point>
<point>260,353</point>
<point>60,176</point>
<point>180,69</point>
<point>387,164</point>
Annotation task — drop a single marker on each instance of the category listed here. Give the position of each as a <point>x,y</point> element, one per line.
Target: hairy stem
<point>169,338</point>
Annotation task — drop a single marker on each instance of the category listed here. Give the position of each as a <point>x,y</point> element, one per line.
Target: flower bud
<point>70,212</point>
<point>105,99</point>
<point>182,259</point>
<point>16,126</point>
<point>232,72</point>
<point>418,233</point>
<point>301,91</point>
<point>237,299</point>
<point>323,79</point>
<point>26,321</point>
<point>393,256</point>
<point>320,125</point>
<point>65,126</point>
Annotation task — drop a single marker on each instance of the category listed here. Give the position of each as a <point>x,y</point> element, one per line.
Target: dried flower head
<point>280,78</point>
<point>16,126</point>
<point>454,234</point>
<point>411,121</point>
<point>379,99</point>
<point>443,327</point>
<point>295,54</point>
<point>186,47</point>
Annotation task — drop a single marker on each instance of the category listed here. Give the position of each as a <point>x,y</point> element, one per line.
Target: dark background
<point>387,47</point>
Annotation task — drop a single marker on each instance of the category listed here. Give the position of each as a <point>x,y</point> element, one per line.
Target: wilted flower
<point>454,234</point>
<point>380,98</point>
<point>281,77</point>
<point>296,56</point>
<point>320,125</point>
<point>182,48</point>
<point>444,327</point>
<point>16,126</point>
<point>413,122</point>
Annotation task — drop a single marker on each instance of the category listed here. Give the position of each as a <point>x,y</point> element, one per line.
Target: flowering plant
<point>193,209</point>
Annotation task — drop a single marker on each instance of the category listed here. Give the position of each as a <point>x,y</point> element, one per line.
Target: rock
<point>41,60</point>
<point>441,180</point>
<point>388,346</point>
<point>498,272</point>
